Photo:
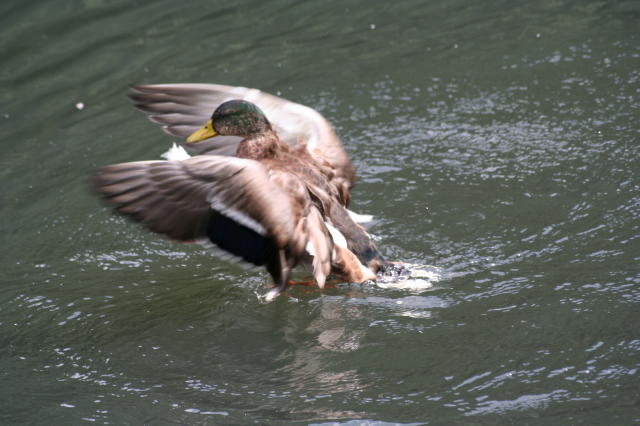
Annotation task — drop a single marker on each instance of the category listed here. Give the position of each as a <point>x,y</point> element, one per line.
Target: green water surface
<point>497,141</point>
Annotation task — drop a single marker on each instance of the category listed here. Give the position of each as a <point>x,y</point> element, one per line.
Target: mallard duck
<point>272,195</point>
<point>181,109</point>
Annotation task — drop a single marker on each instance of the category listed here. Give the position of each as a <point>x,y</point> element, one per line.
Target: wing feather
<point>179,198</point>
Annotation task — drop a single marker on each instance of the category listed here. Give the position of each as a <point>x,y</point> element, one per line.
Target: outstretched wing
<point>230,201</point>
<point>183,108</point>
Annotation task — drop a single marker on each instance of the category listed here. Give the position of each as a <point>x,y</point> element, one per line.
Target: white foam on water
<point>412,277</point>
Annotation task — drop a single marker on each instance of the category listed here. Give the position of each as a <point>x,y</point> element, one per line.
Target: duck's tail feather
<point>319,245</point>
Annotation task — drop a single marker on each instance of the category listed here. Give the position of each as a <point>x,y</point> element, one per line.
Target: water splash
<point>409,276</point>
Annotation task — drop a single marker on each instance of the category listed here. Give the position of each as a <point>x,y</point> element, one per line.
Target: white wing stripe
<point>237,215</point>
<point>338,238</point>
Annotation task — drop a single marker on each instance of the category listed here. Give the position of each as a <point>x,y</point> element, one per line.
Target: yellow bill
<point>201,134</point>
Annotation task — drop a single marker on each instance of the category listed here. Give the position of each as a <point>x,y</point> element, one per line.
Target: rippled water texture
<point>497,145</point>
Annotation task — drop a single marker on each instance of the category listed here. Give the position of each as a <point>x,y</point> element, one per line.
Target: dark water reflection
<point>497,142</point>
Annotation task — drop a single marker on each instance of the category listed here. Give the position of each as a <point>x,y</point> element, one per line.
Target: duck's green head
<point>233,118</point>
